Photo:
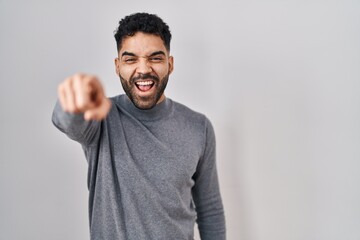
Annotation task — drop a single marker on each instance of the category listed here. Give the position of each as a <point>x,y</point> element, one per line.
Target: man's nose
<point>144,66</point>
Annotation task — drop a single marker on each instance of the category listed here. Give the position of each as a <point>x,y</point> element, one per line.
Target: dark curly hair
<point>142,22</point>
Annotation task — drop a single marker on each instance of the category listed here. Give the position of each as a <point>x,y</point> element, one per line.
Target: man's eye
<point>156,59</point>
<point>130,60</point>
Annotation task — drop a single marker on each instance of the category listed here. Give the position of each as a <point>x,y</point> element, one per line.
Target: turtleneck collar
<point>160,110</point>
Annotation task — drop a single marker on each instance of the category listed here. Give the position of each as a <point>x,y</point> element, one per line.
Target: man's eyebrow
<point>151,55</point>
<point>157,53</point>
<point>128,54</point>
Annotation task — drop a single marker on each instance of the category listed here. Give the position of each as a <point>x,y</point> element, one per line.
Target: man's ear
<point>117,62</point>
<point>171,64</point>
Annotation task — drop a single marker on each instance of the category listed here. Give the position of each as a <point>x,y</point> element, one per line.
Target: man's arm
<point>206,192</point>
<point>82,104</point>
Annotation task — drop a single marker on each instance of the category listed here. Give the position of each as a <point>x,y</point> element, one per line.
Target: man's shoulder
<point>185,110</point>
<point>189,114</point>
<point>192,121</point>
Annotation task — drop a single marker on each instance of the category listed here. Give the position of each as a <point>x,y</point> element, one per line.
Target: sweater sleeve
<point>75,126</point>
<point>206,192</point>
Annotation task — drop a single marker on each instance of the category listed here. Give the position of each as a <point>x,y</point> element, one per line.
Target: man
<point>152,170</point>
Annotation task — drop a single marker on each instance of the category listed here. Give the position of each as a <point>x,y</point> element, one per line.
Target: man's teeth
<point>144,83</point>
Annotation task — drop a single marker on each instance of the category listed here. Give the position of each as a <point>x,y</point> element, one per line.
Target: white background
<point>280,81</point>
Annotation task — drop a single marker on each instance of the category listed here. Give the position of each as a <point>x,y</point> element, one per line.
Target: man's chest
<point>164,152</point>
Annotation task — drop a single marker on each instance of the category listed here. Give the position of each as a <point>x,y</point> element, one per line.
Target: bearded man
<point>151,161</point>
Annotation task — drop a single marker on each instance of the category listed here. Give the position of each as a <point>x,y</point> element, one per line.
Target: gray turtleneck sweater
<point>152,173</point>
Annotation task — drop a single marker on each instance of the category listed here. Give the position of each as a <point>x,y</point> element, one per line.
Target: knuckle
<point>91,79</point>
<point>78,75</point>
<point>60,88</point>
<point>67,83</point>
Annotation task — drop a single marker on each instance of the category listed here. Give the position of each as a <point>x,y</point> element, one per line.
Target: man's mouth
<point>144,85</point>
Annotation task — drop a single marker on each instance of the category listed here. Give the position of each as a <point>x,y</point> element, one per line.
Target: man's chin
<point>144,104</point>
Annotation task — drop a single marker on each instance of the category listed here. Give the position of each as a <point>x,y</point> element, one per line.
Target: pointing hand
<point>83,93</point>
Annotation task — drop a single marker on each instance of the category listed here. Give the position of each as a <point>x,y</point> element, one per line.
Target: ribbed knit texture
<point>151,173</point>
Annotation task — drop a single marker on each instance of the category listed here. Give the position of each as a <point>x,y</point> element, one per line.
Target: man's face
<point>144,66</point>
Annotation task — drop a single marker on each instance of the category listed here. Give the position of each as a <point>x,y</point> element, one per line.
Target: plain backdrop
<point>280,81</point>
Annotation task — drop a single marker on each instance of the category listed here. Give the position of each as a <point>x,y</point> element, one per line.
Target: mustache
<point>144,77</point>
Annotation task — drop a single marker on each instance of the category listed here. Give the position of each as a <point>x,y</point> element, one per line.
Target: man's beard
<point>144,103</point>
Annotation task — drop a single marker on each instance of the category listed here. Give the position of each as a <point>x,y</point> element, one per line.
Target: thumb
<point>99,112</point>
